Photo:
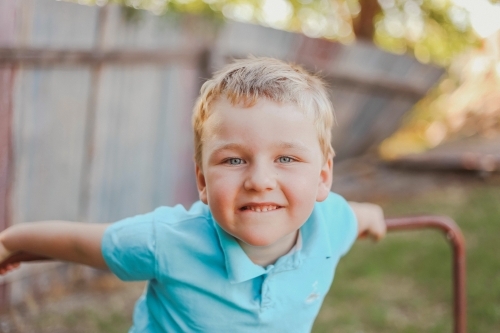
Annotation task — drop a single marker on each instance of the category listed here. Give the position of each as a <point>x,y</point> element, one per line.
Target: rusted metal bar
<point>456,239</point>
<point>53,57</point>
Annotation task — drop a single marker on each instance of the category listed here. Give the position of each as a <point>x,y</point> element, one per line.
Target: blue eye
<point>285,159</point>
<point>234,161</point>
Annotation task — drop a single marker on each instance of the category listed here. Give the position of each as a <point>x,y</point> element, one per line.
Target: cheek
<point>303,192</point>
<point>221,187</point>
<point>302,182</point>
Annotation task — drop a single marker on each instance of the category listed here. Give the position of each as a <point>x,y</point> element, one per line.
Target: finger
<point>377,233</point>
<point>13,266</point>
<point>363,234</point>
<point>8,268</point>
<point>380,233</point>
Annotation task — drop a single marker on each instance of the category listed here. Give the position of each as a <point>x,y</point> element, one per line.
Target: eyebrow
<point>281,145</point>
<point>228,146</point>
<point>293,145</point>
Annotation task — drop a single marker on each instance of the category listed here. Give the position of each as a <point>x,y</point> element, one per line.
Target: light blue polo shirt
<point>200,280</point>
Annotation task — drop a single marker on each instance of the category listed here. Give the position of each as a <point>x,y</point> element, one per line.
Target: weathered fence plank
<point>6,77</point>
<point>141,141</point>
<point>49,110</point>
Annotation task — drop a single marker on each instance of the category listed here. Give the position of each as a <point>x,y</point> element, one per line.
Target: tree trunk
<point>363,24</point>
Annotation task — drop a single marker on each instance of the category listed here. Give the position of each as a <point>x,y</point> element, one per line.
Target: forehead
<point>223,113</point>
<point>264,123</point>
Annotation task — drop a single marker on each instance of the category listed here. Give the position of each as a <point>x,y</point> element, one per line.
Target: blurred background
<point>95,108</point>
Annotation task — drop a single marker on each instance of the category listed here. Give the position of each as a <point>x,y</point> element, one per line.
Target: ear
<point>201,184</point>
<point>325,179</point>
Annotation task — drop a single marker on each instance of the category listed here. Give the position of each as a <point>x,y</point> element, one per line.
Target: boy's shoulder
<point>178,213</point>
<point>170,216</point>
<point>333,203</point>
<point>335,210</point>
<point>339,220</point>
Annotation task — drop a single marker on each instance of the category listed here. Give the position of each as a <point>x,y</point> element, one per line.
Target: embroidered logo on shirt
<point>314,295</point>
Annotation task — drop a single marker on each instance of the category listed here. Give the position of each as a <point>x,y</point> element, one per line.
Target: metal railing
<point>457,242</point>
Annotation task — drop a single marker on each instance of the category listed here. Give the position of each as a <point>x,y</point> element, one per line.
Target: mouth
<point>259,208</point>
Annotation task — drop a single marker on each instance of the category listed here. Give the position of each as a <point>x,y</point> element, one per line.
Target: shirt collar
<point>316,236</point>
<point>239,267</point>
<point>313,240</point>
<point>298,245</point>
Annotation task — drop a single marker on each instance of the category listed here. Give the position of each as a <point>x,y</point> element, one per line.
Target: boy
<point>258,252</point>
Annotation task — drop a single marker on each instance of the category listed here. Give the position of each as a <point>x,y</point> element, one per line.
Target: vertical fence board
<point>185,188</point>
<point>138,124</point>
<point>241,40</point>
<point>390,117</point>
<point>147,32</point>
<point>49,110</point>
<point>56,24</point>
<point>6,78</point>
<point>346,102</point>
<point>8,21</point>
<point>9,10</point>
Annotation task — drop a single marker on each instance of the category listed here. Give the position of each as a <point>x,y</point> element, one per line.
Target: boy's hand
<point>4,255</point>
<point>370,219</point>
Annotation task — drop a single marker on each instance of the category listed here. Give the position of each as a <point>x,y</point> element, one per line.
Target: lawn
<point>403,284</point>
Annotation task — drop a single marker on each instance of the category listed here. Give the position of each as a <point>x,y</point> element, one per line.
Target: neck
<point>267,255</point>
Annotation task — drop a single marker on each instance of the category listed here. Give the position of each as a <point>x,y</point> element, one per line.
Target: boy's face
<point>262,170</point>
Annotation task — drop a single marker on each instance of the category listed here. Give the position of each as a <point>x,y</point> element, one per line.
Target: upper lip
<point>260,206</point>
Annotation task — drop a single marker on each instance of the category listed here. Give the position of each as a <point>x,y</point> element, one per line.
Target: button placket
<point>266,299</point>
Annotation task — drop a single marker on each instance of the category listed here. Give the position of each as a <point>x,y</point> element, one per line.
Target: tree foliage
<point>433,30</point>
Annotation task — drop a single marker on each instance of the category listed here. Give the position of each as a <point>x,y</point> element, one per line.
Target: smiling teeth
<point>262,209</point>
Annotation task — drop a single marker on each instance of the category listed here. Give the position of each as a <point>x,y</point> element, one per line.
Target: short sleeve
<point>128,248</point>
<point>342,223</point>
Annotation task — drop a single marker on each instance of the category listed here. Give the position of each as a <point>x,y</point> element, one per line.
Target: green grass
<point>403,284</point>
<point>86,320</point>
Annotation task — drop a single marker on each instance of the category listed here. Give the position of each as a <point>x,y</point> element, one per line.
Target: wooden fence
<point>95,109</point>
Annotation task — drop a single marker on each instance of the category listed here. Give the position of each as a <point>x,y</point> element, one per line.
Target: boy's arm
<point>370,219</point>
<point>67,241</point>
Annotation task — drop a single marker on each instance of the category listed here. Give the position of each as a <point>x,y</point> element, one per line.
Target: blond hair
<point>247,80</point>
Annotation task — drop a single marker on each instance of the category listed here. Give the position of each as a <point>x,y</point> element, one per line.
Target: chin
<point>259,240</point>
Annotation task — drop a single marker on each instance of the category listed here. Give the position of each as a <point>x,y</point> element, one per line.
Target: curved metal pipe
<point>456,239</point>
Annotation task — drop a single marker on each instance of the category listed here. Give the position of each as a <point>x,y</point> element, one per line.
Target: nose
<point>260,178</point>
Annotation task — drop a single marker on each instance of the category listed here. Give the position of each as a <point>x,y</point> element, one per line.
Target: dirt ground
<point>97,305</point>
<point>80,306</point>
